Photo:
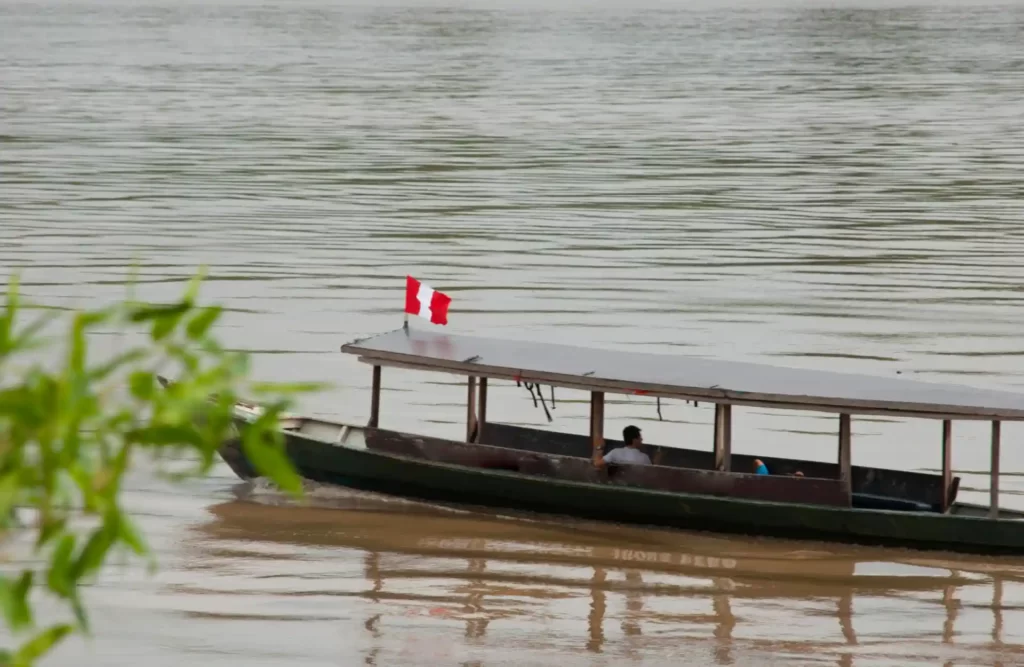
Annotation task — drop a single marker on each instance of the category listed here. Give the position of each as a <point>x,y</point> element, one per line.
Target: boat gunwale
<point>741,503</point>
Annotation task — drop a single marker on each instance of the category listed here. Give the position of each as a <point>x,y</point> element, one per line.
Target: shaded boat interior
<point>567,457</point>
<point>873,488</point>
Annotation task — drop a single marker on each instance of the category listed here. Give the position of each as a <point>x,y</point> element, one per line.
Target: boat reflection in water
<point>528,586</point>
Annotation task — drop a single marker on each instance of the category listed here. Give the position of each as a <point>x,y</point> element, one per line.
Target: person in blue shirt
<point>760,468</point>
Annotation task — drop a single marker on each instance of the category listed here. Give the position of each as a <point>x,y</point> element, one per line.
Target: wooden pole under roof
<point>375,399</point>
<point>947,462</point>
<point>845,455</point>
<point>993,510</point>
<point>481,410</point>
<point>470,408</point>
<point>597,422</point>
<point>723,437</point>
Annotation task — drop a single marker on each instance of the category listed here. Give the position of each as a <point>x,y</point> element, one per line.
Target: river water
<point>822,185</point>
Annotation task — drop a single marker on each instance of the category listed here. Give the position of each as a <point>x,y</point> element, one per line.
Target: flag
<point>422,300</point>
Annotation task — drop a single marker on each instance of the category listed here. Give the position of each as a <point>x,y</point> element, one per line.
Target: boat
<point>533,470</point>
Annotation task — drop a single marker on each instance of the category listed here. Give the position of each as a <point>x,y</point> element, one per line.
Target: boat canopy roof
<point>686,377</point>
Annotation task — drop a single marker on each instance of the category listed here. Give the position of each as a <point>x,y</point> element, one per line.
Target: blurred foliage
<point>68,436</point>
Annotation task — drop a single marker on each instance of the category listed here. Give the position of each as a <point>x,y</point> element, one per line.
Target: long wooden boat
<point>533,470</point>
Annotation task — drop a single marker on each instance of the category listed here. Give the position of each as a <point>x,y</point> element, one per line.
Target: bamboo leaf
<point>267,454</point>
<point>132,537</point>
<point>14,600</point>
<point>26,336</point>
<point>201,323</point>
<point>150,312</point>
<point>7,603</point>
<point>142,384</point>
<point>10,315</point>
<point>288,387</point>
<point>52,527</point>
<point>9,488</point>
<point>91,557</point>
<point>192,289</point>
<point>165,326</point>
<point>39,645</point>
<point>95,550</point>
<point>81,617</point>
<point>59,577</point>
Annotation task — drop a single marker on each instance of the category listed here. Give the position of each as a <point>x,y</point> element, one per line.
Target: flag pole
<point>406,324</point>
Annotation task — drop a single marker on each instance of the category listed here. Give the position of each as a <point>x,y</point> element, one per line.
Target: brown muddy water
<point>834,186</point>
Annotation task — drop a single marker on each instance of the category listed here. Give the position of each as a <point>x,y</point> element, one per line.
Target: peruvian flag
<point>422,300</point>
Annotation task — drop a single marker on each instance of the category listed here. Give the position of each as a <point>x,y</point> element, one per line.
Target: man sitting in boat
<point>630,454</point>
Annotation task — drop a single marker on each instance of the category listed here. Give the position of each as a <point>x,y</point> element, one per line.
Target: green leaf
<point>9,488</point>
<point>21,405</point>
<point>151,312</point>
<point>59,577</point>
<point>9,316</point>
<point>112,475</point>
<point>164,317</point>
<point>52,527</point>
<point>267,455</point>
<point>79,343</point>
<point>7,603</point>
<point>288,387</point>
<point>26,336</point>
<point>132,537</point>
<point>164,327</point>
<point>201,323</point>
<point>41,644</point>
<point>143,385</point>
<point>92,555</point>
<point>14,600</point>
<point>192,289</point>
<point>81,617</point>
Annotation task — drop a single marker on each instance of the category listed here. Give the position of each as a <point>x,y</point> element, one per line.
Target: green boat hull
<point>364,469</point>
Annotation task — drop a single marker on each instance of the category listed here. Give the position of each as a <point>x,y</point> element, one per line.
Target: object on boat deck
<point>760,468</point>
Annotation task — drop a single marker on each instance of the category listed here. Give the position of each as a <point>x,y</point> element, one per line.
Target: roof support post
<point>375,399</point>
<point>481,410</point>
<point>723,437</point>
<point>947,462</point>
<point>471,408</point>
<point>845,455</point>
<point>597,421</point>
<point>993,510</point>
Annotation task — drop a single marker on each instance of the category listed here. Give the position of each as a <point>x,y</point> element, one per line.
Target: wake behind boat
<point>519,468</point>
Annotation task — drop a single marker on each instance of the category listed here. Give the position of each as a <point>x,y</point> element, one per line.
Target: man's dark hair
<point>629,434</point>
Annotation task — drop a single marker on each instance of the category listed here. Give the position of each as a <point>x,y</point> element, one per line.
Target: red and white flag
<point>422,300</point>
